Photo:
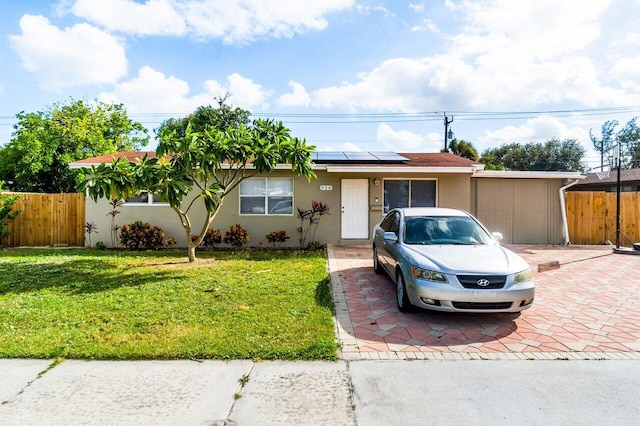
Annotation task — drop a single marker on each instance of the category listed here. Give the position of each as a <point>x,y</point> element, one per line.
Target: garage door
<point>525,211</point>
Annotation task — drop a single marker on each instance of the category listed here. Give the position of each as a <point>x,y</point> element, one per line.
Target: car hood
<point>468,258</point>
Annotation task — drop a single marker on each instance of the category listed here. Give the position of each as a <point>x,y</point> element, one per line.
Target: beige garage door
<point>525,211</point>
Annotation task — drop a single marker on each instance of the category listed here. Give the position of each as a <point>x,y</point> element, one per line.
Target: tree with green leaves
<point>44,143</point>
<point>629,138</point>
<point>607,140</point>
<point>553,155</point>
<point>202,167</point>
<point>464,149</point>
<point>6,213</point>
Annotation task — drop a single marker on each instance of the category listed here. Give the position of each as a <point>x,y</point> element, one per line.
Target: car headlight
<point>523,276</point>
<point>425,274</point>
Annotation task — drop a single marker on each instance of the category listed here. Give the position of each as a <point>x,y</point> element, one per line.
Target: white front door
<point>355,208</point>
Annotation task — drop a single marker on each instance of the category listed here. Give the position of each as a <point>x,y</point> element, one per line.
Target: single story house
<point>359,188</point>
<point>608,181</point>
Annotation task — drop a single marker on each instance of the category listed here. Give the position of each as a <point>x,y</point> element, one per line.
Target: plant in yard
<point>100,245</point>
<point>139,235</point>
<point>211,239</point>
<point>115,205</point>
<point>6,213</point>
<point>277,237</point>
<point>309,220</point>
<point>236,236</point>
<point>90,228</point>
<point>170,242</point>
<point>201,159</point>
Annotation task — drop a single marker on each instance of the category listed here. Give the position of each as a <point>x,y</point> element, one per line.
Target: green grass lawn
<point>141,305</point>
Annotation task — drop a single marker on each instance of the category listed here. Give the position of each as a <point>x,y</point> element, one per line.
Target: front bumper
<point>452,297</point>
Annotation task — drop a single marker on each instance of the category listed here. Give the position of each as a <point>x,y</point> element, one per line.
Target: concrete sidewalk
<point>36,392</point>
<point>362,392</point>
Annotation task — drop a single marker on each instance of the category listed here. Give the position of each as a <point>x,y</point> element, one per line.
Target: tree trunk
<point>191,248</point>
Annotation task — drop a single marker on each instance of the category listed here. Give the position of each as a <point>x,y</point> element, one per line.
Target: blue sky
<point>344,74</point>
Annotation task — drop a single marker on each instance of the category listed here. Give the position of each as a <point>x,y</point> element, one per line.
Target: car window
<point>395,223</point>
<point>444,230</point>
<point>387,222</point>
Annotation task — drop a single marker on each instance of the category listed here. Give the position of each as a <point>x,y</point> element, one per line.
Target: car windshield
<point>444,230</point>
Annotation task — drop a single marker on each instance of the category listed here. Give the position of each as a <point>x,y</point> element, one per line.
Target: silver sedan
<point>445,260</point>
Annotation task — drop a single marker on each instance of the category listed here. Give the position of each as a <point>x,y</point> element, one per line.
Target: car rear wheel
<point>404,305</point>
<point>377,267</point>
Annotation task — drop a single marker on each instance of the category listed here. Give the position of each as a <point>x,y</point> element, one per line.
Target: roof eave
<point>514,174</point>
<point>403,170</point>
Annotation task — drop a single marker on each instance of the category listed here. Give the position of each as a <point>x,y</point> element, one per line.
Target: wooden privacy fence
<point>47,220</point>
<point>591,217</point>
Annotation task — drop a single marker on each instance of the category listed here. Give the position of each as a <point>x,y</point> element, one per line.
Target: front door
<point>355,208</point>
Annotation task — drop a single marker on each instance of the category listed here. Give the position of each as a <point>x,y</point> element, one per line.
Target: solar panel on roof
<point>360,156</point>
<point>389,156</point>
<point>357,157</point>
<point>331,155</point>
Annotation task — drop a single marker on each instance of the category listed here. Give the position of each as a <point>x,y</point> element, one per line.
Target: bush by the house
<point>211,239</point>
<point>138,235</point>
<point>170,242</point>
<point>236,236</point>
<point>277,237</point>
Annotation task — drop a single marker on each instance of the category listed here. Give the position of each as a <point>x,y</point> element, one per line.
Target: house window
<point>145,198</point>
<point>266,196</point>
<point>409,193</point>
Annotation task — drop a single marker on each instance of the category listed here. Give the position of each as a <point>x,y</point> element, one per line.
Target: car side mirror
<point>390,236</point>
<point>497,236</point>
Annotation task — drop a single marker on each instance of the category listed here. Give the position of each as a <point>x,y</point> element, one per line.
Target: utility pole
<point>447,121</point>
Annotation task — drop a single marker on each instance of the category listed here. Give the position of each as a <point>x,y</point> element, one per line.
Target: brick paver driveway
<point>588,308</point>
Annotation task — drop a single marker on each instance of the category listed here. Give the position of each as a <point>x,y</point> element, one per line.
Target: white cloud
<point>298,97</point>
<point>154,17</point>
<point>543,29</point>
<point>75,56</point>
<point>153,91</point>
<point>240,21</point>
<point>417,7</point>
<point>403,85</point>
<point>350,147</point>
<point>406,141</point>
<point>427,25</point>
<point>509,56</point>
<point>543,127</point>
<point>626,72</point>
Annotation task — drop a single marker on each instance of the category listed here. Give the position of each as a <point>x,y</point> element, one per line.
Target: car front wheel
<point>404,305</point>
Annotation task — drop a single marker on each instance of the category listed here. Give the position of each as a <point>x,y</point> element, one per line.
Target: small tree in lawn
<point>211,151</point>
<point>115,205</point>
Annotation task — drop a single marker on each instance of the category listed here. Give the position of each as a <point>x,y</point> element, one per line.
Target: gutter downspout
<point>565,226</point>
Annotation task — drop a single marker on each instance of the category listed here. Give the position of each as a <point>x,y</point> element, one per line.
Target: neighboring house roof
<point>602,181</point>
